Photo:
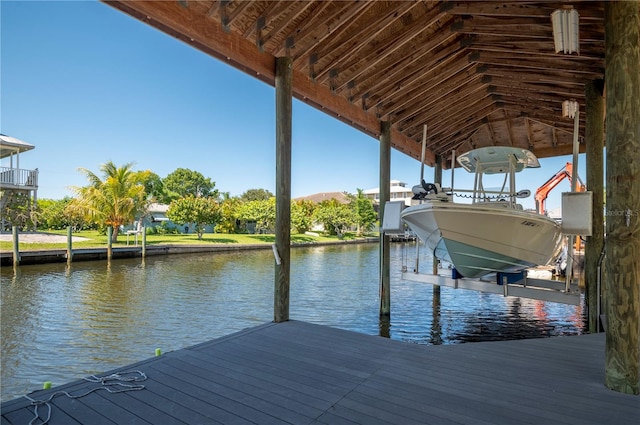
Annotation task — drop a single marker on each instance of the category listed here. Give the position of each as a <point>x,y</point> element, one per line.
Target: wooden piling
<point>385,194</point>
<point>69,245</point>
<point>284,93</point>
<point>109,242</point>
<point>594,136</point>
<point>16,246</point>
<point>622,265</point>
<point>144,241</point>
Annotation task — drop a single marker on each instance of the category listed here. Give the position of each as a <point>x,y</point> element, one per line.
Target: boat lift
<point>507,284</point>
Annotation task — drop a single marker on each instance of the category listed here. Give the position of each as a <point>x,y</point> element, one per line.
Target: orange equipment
<point>543,191</point>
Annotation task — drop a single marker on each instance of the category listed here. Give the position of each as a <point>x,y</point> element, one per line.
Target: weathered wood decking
<point>299,373</point>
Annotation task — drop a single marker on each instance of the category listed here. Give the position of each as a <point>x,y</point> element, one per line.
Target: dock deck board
<point>300,373</point>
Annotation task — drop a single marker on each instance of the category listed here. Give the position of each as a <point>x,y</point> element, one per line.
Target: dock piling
<point>69,245</point>
<point>109,242</point>
<point>144,241</point>
<point>622,265</point>
<point>16,246</point>
<point>385,192</point>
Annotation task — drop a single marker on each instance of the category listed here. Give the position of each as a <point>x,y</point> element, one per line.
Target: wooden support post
<point>109,243</point>
<point>385,180</point>
<point>594,136</point>
<point>622,266</point>
<point>69,245</point>
<point>284,93</point>
<point>144,241</point>
<point>16,246</point>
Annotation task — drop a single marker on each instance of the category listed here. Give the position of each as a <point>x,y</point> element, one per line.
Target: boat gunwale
<point>478,207</point>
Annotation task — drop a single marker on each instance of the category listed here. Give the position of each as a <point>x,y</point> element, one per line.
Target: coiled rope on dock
<point>114,383</point>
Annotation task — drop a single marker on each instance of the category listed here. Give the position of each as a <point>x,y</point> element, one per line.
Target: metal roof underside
<point>477,73</point>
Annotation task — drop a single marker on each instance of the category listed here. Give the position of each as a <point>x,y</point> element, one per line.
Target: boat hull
<point>478,240</point>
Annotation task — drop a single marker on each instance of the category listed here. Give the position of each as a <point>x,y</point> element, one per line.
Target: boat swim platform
<point>533,288</point>
<point>300,373</point>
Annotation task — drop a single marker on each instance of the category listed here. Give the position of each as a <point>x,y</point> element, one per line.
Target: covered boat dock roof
<point>477,73</point>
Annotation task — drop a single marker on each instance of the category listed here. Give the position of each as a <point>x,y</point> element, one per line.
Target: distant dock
<point>300,373</point>
<point>135,251</point>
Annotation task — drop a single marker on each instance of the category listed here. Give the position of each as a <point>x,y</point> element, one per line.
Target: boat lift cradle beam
<point>537,289</point>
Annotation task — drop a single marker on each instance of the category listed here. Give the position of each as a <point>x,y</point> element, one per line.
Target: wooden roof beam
<point>478,115</point>
<point>238,9</point>
<point>456,74</point>
<point>537,64</point>
<point>403,82</point>
<point>509,129</point>
<point>517,92</point>
<point>548,78</point>
<point>463,84</point>
<point>421,91</point>
<point>510,28</point>
<point>543,46</point>
<point>539,115</point>
<point>506,27</point>
<point>542,90</point>
<point>276,11</point>
<point>339,22</point>
<point>467,112</point>
<point>411,68</point>
<point>375,57</point>
<point>308,24</point>
<point>559,150</point>
<point>445,133</point>
<point>592,58</point>
<point>457,140</point>
<point>588,10</point>
<point>491,132</point>
<point>374,54</point>
<point>324,43</point>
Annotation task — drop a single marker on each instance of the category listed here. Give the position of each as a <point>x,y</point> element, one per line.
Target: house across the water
<point>16,184</point>
<point>398,191</point>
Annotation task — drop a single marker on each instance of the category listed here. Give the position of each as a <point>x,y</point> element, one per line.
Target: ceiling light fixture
<point>569,108</point>
<point>566,30</point>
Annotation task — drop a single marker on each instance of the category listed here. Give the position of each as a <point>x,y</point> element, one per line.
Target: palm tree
<point>114,201</point>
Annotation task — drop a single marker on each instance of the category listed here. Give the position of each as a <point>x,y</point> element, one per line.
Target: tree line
<point>120,195</point>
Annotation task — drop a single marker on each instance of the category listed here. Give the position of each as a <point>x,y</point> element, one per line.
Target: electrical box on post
<point>576,213</point>
<point>392,223</point>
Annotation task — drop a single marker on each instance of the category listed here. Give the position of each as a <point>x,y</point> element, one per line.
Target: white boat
<point>492,233</point>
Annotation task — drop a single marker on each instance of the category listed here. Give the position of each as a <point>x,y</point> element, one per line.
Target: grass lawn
<point>96,240</point>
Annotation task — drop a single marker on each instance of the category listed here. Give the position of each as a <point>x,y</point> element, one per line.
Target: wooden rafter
<point>319,32</point>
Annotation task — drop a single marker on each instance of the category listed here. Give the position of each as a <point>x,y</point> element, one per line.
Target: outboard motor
<point>422,190</point>
<point>430,188</point>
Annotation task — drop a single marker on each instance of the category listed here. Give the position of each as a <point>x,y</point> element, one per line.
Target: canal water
<point>62,322</point>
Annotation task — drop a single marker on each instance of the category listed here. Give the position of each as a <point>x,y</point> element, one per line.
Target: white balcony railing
<point>17,178</point>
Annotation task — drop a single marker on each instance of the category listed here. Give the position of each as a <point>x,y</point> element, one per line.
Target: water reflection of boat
<point>492,233</point>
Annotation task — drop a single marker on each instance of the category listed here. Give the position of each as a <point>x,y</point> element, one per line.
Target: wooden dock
<point>300,373</point>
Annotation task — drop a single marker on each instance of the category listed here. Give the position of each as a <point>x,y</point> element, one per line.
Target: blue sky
<point>87,84</point>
